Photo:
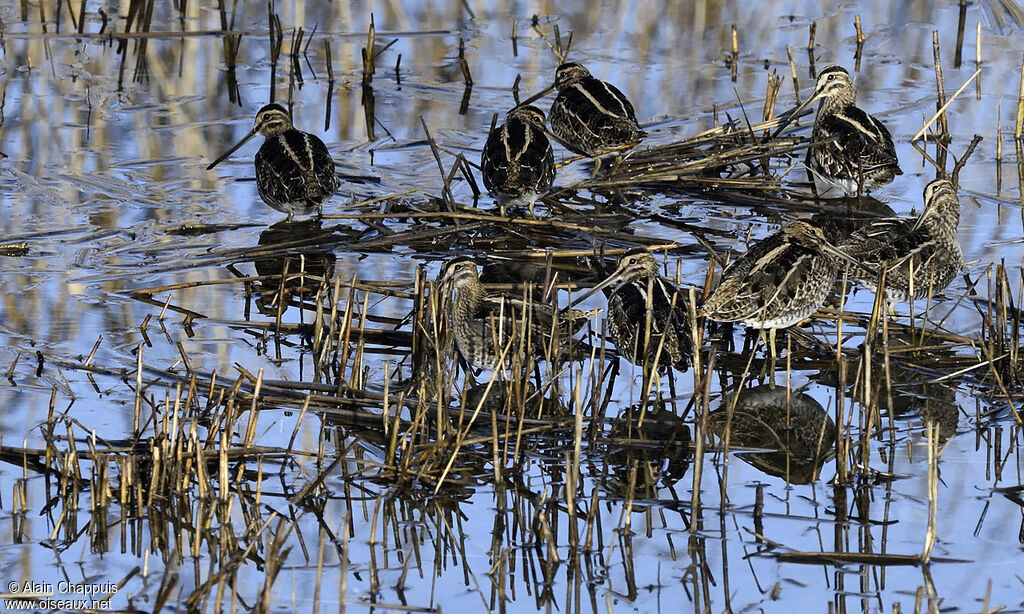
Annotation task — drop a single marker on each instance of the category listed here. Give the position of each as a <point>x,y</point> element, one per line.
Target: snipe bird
<point>490,328</point>
<point>778,282</point>
<point>589,115</point>
<point>518,163</point>
<point>921,256</point>
<point>638,298</point>
<point>850,149</point>
<point>294,171</point>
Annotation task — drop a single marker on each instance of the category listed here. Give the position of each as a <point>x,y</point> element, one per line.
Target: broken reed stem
<point>960,26</point>
<point>371,36</point>
<point>955,173</point>
<point>1019,126</point>
<point>931,533</point>
<point>792,75</point>
<point>735,53</point>
<point>977,59</point>
<point>859,51</point>
<point>463,64</point>
<point>948,102</point>
<point>940,102</point>
<point>515,38</point>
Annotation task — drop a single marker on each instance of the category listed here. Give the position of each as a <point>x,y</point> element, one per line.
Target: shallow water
<point>103,173</point>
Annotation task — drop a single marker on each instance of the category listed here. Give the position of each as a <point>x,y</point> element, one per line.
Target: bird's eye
<point>831,77</point>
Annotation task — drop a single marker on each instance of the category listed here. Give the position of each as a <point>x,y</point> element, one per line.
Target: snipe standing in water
<point>294,171</point>
<point>778,282</point>
<point>850,149</point>
<point>921,256</point>
<point>518,163</point>
<point>640,297</point>
<point>490,329</point>
<point>589,115</point>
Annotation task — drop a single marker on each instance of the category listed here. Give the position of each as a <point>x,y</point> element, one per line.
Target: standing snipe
<point>294,171</point>
<point>640,298</point>
<point>920,256</point>
<point>517,162</point>
<point>778,282</point>
<point>590,115</point>
<point>850,149</point>
<point>491,330</point>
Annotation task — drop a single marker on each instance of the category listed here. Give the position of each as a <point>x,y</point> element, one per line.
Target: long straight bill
<point>537,96</point>
<point>611,279</point>
<point>234,147</point>
<point>795,113</point>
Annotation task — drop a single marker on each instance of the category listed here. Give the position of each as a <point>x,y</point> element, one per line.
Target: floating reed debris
<point>728,157</point>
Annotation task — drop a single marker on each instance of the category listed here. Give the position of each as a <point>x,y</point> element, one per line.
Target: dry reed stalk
<point>1019,123</point>
<point>977,61</point>
<point>931,532</point>
<point>734,50</point>
<point>940,112</point>
<point>940,100</point>
<point>961,25</point>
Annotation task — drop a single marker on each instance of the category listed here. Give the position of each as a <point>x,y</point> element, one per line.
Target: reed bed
<point>387,430</point>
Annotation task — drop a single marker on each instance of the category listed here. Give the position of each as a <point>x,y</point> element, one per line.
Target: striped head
<point>636,264</point>
<point>834,87</point>
<point>272,120</point>
<point>569,74</point>
<point>941,203</point>
<point>529,114</point>
<point>805,234</point>
<point>811,237</point>
<point>459,272</point>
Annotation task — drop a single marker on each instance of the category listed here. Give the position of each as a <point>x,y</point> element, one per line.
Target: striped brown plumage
<point>485,323</point>
<point>294,170</point>
<point>926,245</point>
<point>778,282</point>
<point>517,162</point>
<point>639,297</point>
<point>590,115</point>
<point>850,149</point>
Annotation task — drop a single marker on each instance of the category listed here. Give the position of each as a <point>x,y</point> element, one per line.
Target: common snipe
<point>492,329</point>
<point>778,282</point>
<point>640,298</point>
<point>589,115</point>
<point>921,256</point>
<point>850,149</point>
<point>294,171</point>
<point>518,163</point>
